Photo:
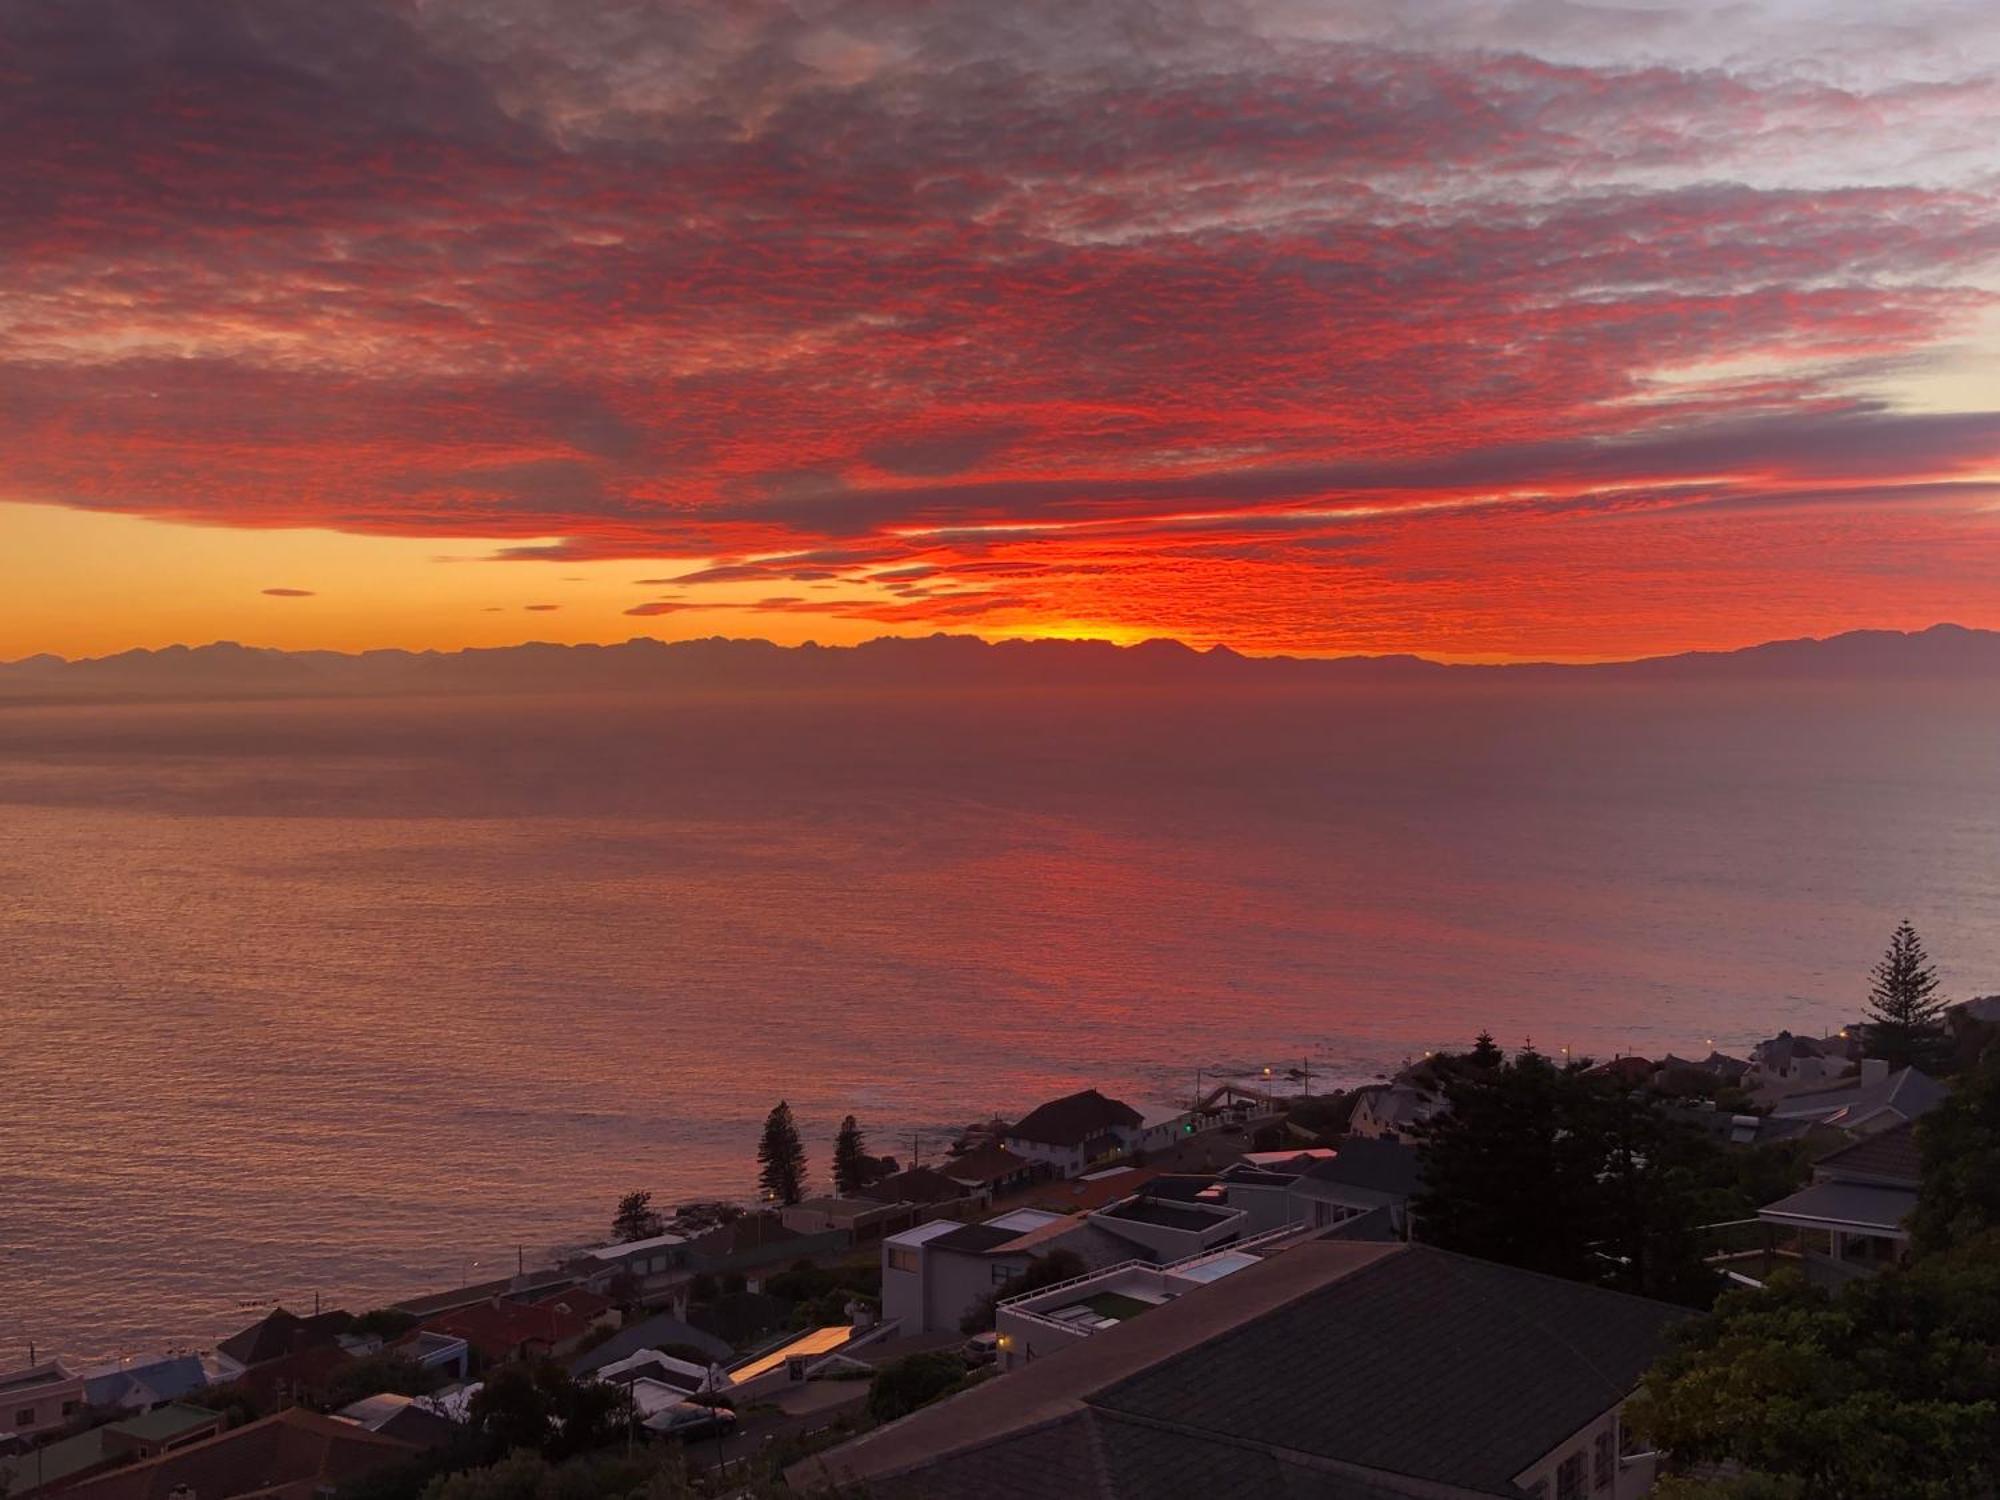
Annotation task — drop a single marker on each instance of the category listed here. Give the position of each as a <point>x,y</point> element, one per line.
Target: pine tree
<point>1905,1017</point>
<point>781,1157</point>
<point>850,1159</point>
<point>1486,1052</point>
<point>635,1219</point>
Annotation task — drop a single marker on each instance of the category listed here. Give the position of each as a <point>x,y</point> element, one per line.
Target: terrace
<point>1037,1323</point>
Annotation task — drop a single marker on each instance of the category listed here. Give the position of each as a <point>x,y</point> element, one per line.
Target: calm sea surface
<point>347,997</point>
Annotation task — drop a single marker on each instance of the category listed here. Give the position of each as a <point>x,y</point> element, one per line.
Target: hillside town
<point>1495,1274</point>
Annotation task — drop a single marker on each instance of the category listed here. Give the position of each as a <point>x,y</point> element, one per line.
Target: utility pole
<point>1308,1071</point>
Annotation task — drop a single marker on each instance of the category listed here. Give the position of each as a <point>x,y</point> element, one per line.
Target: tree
<point>1958,1195</point>
<point>1485,1051</point>
<point>781,1157</point>
<point>1906,1019</point>
<point>635,1219</point>
<point>850,1160</point>
<point>913,1381</point>
<point>533,1404</point>
<point>1888,1391</point>
<point>1043,1270</point>
<point>1557,1171</point>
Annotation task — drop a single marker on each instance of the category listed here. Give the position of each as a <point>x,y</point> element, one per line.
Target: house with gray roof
<point>1330,1371</point>
<point>936,1273</point>
<point>1873,1100</point>
<point>139,1385</point>
<point>1363,1176</point>
<point>1850,1220</point>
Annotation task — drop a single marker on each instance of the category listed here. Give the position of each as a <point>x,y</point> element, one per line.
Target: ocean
<point>347,999</point>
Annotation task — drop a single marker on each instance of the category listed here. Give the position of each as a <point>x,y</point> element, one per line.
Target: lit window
<point>902,1258</point>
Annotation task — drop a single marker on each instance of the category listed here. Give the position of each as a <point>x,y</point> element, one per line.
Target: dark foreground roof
<point>655,1332</point>
<point>1335,1371</point>
<point>1074,1119</point>
<point>279,1333</point>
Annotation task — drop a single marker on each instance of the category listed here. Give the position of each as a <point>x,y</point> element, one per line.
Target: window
<point>1002,1274</point>
<point>1539,1490</point>
<point>902,1258</point>
<point>25,1417</point>
<point>1607,1460</point>
<point>70,1408</point>
<point>1569,1478</point>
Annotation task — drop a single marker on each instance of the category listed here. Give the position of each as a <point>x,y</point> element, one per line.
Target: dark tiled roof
<point>915,1185</point>
<point>1100,1456</point>
<point>1165,1214</point>
<point>1424,1363</point>
<point>989,1164</point>
<point>974,1239</point>
<point>280,1332</point>
<point>1890,1156</point>
<point>1075,1119</point>
<point>649,1333</point>
<point>1381,1166</point>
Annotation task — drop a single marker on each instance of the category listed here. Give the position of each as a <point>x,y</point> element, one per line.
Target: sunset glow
<point>1291,325</point>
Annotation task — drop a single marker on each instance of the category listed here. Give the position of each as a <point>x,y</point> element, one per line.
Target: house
<point>1391,1112</point>
<point>935,1274</point>
<point>142,1384</point>
<point>1165,1229</point>
<point>859,1220</point>
<point>1034,1325</point>
<point>1077,1131</point>
<point>922,1186</point>
<point>505,1328</point>
<point>408,1419</point>
<point>529,1285</point>
<point>274,1336</point>
<point>436,1351</point>
<point>1849,1220</point>
<point>1330,1371</point>
<point>1076,1195</point>
<point>294,1378</point>
<point>1628,1072</point>
<point>38,1399</point>
<point>656,1332</point>
<point>143,1434</point>
<point>657,1268</point>
<point>1801,1061</point>
<point>656,1368</point>
<point>1874,1100</point>
<point>992,1170</point>
<point>758,1244</point>
<point>1364,1176</point>
<point>295,1455</point>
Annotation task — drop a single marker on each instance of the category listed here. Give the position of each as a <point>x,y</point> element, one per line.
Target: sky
<point>1517,328</point>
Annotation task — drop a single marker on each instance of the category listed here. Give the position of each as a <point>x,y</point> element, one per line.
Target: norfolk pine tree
<point>781,1158</point>
<point>850,1159</point>
<point>1906,1019</point>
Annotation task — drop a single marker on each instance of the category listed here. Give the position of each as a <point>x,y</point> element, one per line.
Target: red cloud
<point>1242,336</point>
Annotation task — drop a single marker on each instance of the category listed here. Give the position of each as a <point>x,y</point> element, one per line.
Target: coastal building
<point>1365,1176</point>
<point>1391,1112</point>
<point>409,1419</point>
<point>1850,1220</point>
<point>141,1435</point>
<point>506,1328</point>
<point>1164,1228</point>
<point>1799,1061</point>
<point>655,1269</point>
<point>1077,1131</point>
<point>935,1274</point>
<point>861,1220</point>
<point>38,1399</point>
<point>277,1335</point>
<point>991,1169</point>
<point>657,1332</point>
<point>1875,1099</point>
<point>1332,1369</point>
<point>139,1385</point>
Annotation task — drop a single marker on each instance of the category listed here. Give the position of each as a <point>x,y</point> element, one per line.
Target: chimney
<point>1873,1070</point>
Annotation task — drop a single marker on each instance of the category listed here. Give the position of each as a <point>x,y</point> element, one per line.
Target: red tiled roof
<point>498,1329</point>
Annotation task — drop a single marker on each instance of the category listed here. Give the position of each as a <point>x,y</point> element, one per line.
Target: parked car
<point>687,1421</point>
<point>981,1348</point>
